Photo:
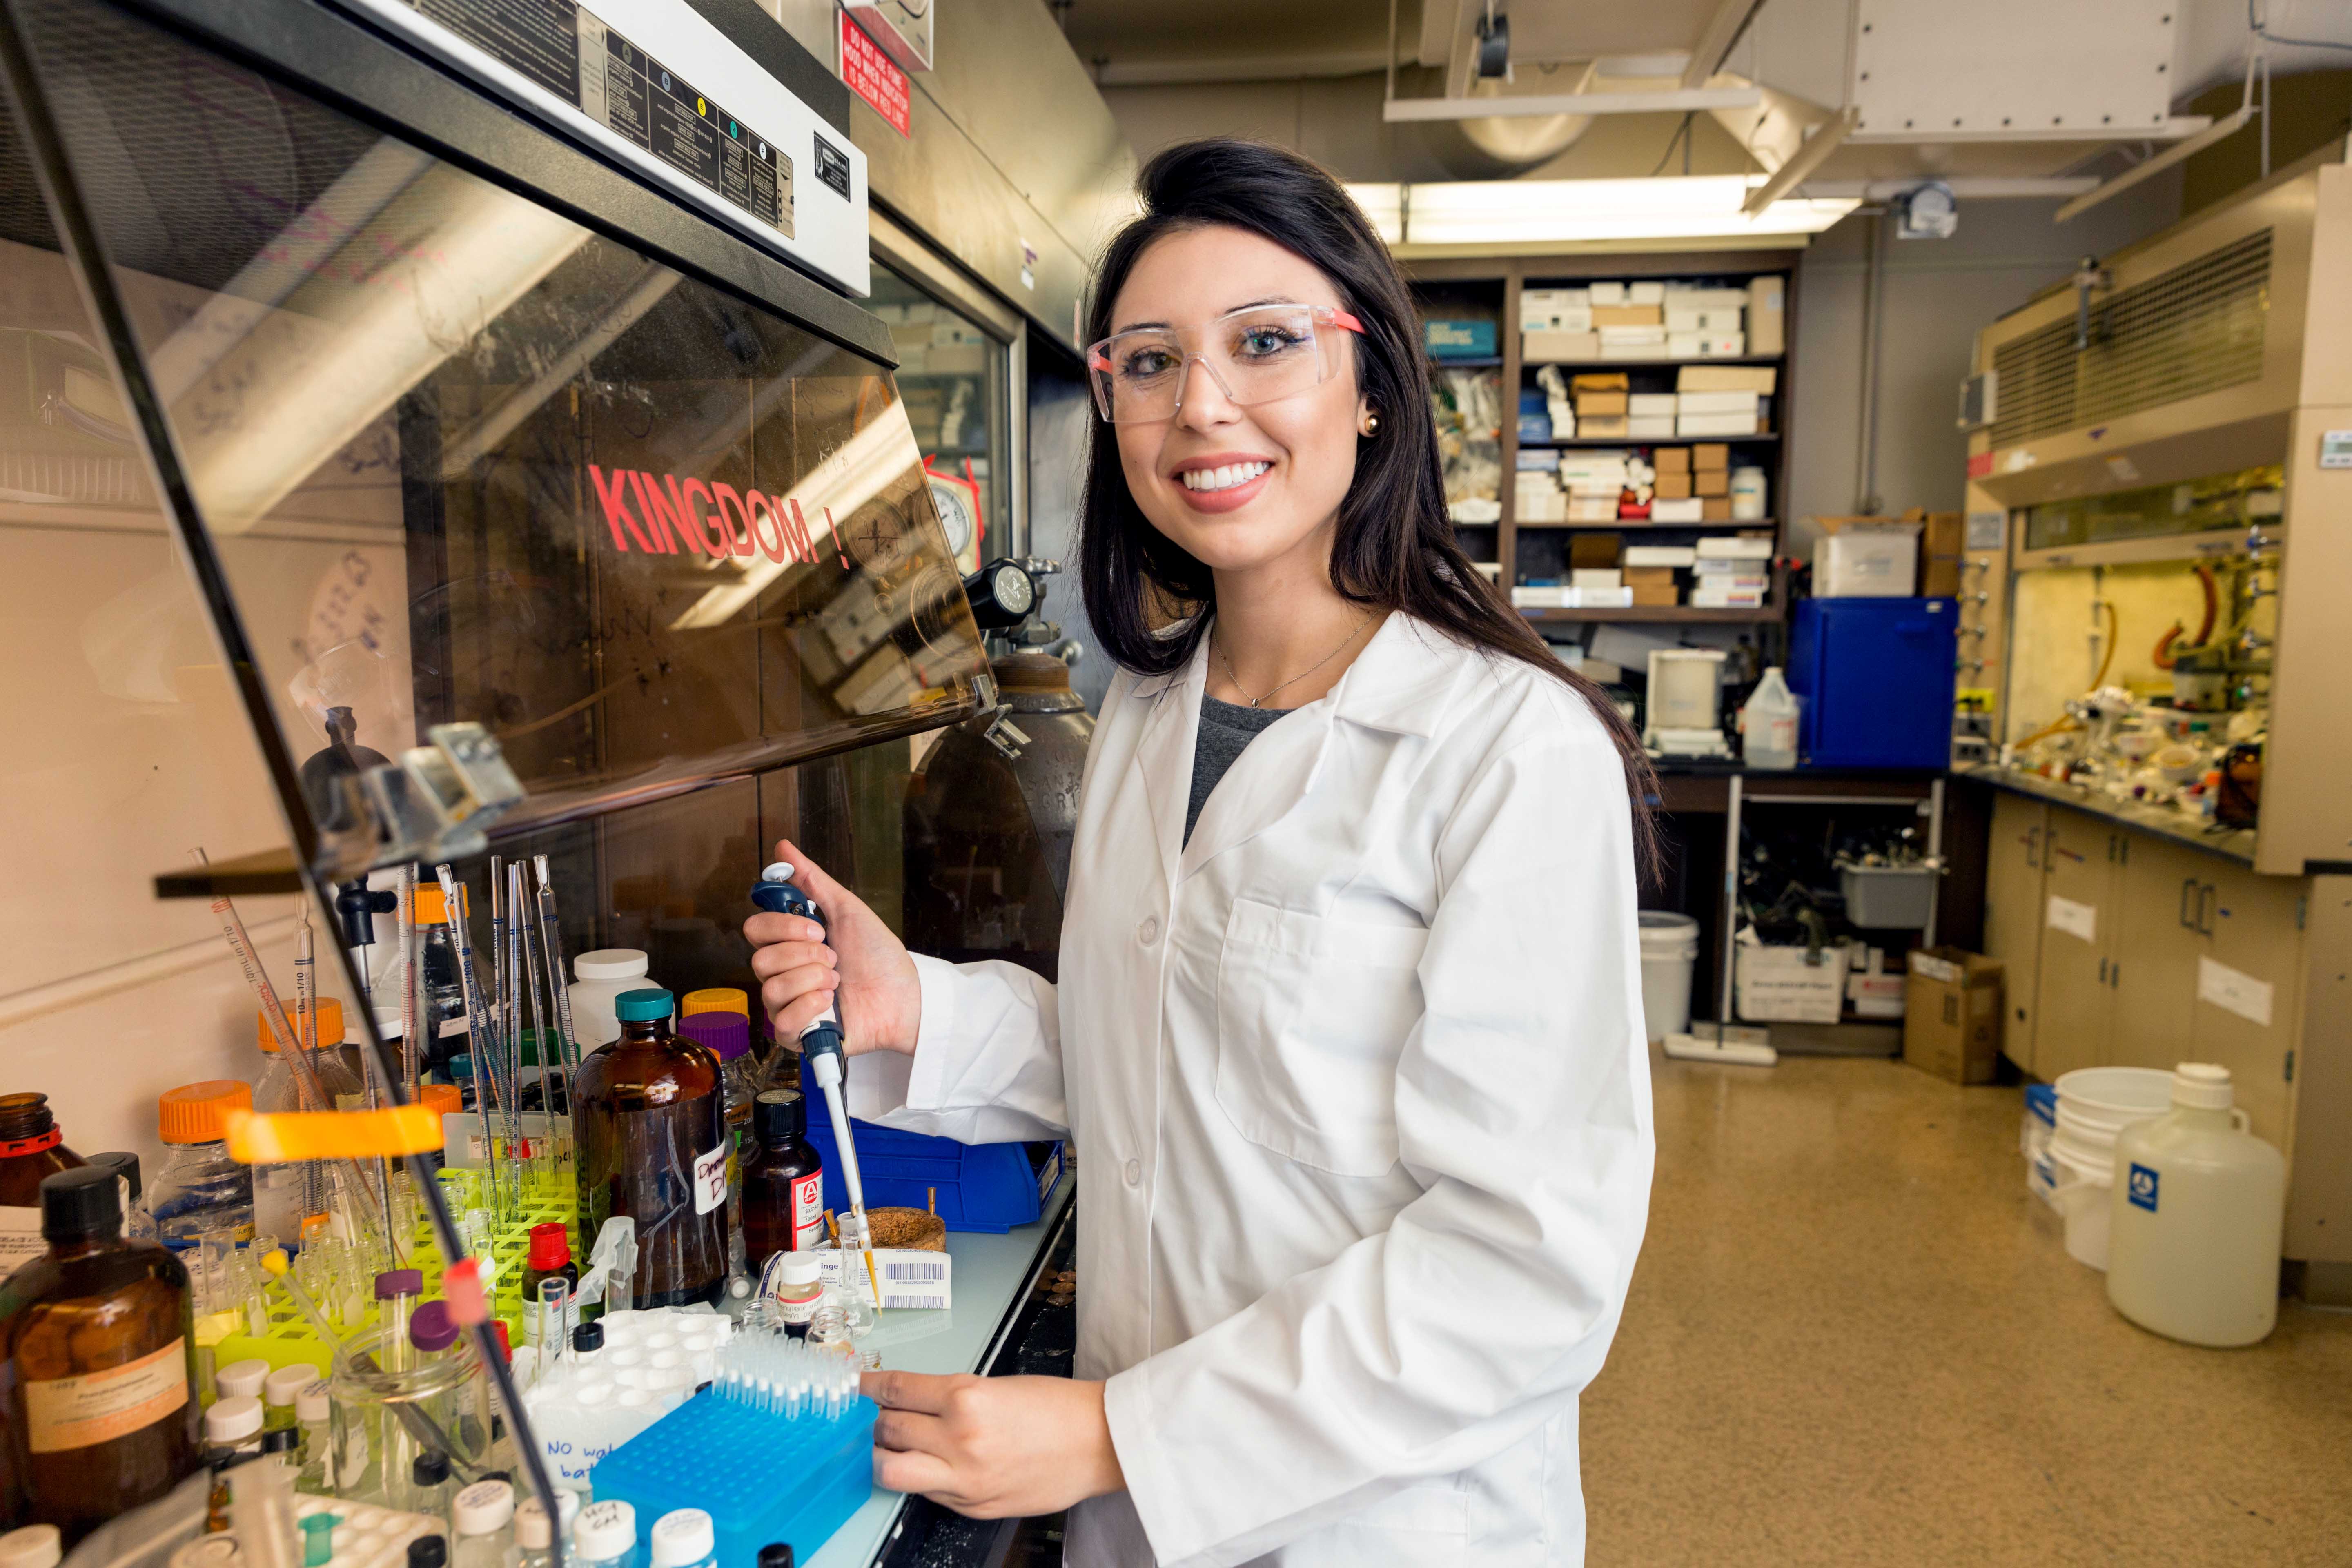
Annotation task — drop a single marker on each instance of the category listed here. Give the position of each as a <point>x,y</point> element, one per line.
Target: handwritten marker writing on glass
<point>823,1058</point>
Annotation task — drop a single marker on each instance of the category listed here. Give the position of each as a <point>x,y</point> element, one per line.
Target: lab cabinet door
<point>2248,986</point>
<point>2074,1005</point>
<point>2012,913</point>
<point>2152,967</point>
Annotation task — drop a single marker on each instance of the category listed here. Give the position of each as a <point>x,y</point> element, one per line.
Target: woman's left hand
<point>992,1448</point>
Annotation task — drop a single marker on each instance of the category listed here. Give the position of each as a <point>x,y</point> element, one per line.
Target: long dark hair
<point>1395,547</point>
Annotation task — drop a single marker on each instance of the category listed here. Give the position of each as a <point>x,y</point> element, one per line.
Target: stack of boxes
<point>1731,571</point>
<point>1652,320</point>
<point>1603,406</point>
<point>1723,400</point>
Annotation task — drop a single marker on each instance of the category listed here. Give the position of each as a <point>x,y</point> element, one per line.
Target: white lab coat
<point>1360,1094</point>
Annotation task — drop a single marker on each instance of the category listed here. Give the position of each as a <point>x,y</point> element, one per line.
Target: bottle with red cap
<point>549,1259</point>
<point>31,1148</point>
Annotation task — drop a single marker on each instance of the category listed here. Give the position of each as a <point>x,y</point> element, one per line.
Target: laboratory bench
<point>2231,843</point>
<point>1012,1315</point>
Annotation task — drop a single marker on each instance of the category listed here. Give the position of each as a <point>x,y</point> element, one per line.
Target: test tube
<point>555,1318</point>
<point>395,1288</point>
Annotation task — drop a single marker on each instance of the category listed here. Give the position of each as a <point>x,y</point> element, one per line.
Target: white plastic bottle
<point>2197,1218</point>
<point>599,977</point>
<point>605,1536</point>
<point>483,1515</point>
<point>1768,722</point>
<point>685,1538</point>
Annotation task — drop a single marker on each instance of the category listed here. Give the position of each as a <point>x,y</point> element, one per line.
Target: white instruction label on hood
<point>2075,918</point>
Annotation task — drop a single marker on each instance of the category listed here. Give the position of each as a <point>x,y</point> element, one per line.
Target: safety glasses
<point>1257,355</point>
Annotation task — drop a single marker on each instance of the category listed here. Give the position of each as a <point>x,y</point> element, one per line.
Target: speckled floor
<point>1854,1339</point>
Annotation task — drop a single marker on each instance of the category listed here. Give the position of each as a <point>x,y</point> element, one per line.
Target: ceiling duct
<point>1522,142</point>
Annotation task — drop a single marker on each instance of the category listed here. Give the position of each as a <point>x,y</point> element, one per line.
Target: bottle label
<point>799,1309</point>
<point>65,1413</point>
<point>20,1237</point>
<point>711,1179</point>
<point>808,1212</point>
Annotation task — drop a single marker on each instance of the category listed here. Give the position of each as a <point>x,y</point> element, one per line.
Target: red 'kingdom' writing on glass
<point>660,513</point>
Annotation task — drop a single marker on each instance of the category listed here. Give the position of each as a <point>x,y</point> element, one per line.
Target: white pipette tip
<point>777,871</point>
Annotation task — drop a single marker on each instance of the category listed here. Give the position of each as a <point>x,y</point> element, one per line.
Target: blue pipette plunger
<point>822,1056</point>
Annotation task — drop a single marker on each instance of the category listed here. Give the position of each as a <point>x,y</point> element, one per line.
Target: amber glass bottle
<point>97,1407</point>
<point>649,1123</point>
<point>31,1148</point>
<point>783,1180</point>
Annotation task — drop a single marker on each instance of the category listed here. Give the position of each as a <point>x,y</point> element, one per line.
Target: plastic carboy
<point>2198,1211</point>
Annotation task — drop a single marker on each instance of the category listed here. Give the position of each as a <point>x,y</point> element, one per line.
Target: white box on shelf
<point>1682,345</point>
<point>1596,577</point>
<point>1736,547</point>
<point>1552,346</point>
<point>1763,378</point>
<point>1645,293</point>
<point>1650,427</point>
<point>1593,509</point>
<point>1538,596</point>
<point>1722,345</point>
<point>1621,335</point>
<point>1719,403</point>
<point>1607,293</point>
<point>1659,555</point>
<point>1718,425</point>
<point>1681,318</point>
<point>1598,598</point>
<point>1872,560</point>
<point>1684,508</point>
<point>1641,403</point>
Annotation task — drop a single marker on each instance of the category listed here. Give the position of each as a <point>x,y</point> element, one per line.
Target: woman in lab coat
<point>1349,1036</point>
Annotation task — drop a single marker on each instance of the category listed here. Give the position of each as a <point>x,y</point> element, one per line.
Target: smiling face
<point>1238,488</point>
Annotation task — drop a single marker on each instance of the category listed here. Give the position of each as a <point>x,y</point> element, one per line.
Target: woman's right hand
<point>881,999</point>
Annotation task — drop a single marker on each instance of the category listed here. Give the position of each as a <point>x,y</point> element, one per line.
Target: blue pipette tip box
<point>763,1478</point>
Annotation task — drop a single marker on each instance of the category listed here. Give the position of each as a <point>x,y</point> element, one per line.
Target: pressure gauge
<point>1927,212</point>
<point>959,512</point>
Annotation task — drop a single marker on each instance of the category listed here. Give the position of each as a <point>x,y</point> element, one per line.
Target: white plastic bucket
<point>1669,949</point>
<point>2096,1103</point>
<point>2081,1194</point>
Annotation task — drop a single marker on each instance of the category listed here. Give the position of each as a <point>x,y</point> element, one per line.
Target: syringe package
<point>779,1448</point>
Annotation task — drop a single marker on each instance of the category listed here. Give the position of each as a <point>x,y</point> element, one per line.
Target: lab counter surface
<point>995,1279</point>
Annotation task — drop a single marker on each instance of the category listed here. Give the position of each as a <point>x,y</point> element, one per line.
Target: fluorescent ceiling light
<point>1522,212</point>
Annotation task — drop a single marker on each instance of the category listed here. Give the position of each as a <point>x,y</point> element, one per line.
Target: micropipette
<point>551,941</point>
<point>478,1026</point>
<point>823,1057</point>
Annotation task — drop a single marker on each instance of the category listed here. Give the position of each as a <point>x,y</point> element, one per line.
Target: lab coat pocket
<point>1312,1012</point>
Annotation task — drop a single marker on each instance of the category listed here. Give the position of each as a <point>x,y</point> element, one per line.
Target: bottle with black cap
<point>97,1365</point>
<point>776,1554</point>
<point>137,1222</point>
<point>587,1343</point>
<point>428,1485</point>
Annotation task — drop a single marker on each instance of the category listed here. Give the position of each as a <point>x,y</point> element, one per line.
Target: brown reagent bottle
<point>783,1180</point>
<point>31,1151</point>
<point>97,1405</point>
<point>648,1122</point>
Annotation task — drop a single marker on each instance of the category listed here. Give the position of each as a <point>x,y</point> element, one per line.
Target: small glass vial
<point>279,1389</point>
<point>32,1149</point>
<point>684,1538</point>
<point>428,1485</point>
<point>313,1417</point>
<point>483,1516</point>
<point>797,1293</point>
<point>534,1541</point>
<point>605,1536</point>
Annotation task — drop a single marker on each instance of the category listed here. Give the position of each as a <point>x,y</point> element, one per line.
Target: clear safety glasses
<point>1257,355</point>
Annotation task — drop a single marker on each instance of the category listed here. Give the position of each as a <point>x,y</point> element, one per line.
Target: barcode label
<point>925,1272</point>
<point>919,1303</point>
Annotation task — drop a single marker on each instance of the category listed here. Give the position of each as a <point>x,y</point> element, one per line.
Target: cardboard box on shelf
<point>1711,482</point>
<point>1635,575</point>
<point>1767,316</point>
<point>1588,551</point>
<point>1655,595</point>
<point>1599,380</point>
<point>1736,547</point>
<point>1458,340</point>
<point>1710,455</point>
<point>1643,403</point>
<point>1593,509</point>
<point>1722,345</point>
<point>1645,293</point>
<point>1595,577</point>
<point>1606,293</point>
<point>1548,345</point>
<point>1681,345</point>
<point>1671,459</point>
<point>1604,426</point>
<point>1879,561</point>
<point>1657,558</point>
<point>1673,508</point>
<point>1716,509</point>
<point>1607,316</point>
<point>1941,554</point>
<point>1952,1014</point>
<point>1719,403</point>
<point>1719,425</point>
<point>1671,487</point>
<point>1758,378</point>
<point>1554,318</point>
<point>1588,404</point>
<point>1650,427</point>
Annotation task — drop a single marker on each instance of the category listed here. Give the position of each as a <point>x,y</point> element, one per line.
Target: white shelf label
<point>2075,918</point>
<point>2235,991</point>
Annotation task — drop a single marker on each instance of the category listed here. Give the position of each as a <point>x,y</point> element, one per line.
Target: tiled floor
<point>1854,1339</point>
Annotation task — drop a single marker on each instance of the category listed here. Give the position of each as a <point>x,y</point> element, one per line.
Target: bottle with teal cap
<point>649,1123</point>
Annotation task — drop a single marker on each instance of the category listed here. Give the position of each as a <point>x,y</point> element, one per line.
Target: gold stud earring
<point>1371,425</point>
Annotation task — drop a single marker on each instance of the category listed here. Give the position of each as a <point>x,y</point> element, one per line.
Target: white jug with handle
<point>2198,1212</point>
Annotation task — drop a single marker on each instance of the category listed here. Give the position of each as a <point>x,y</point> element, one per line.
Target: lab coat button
<point>1148,932</point>
<point>1134,1172</point>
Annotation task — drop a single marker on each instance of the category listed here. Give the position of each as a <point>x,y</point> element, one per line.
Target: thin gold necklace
<point>1257,701</point>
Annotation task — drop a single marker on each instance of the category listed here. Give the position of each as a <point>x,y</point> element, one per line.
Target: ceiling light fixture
<point>1539,212</point>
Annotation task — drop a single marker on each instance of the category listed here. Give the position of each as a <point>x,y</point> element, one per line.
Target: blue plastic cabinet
<point>1874,680</point>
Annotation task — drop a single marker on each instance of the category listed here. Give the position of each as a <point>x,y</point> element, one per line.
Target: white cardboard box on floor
<point>1778,985</point>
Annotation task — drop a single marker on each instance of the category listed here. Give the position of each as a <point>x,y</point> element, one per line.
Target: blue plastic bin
<point>980,1186</point>
<point>761,1478</point>
<point>1876,678</point>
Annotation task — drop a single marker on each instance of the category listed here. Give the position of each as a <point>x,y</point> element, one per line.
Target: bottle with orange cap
<point>288,1199</point>
<point>200,1192</point>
